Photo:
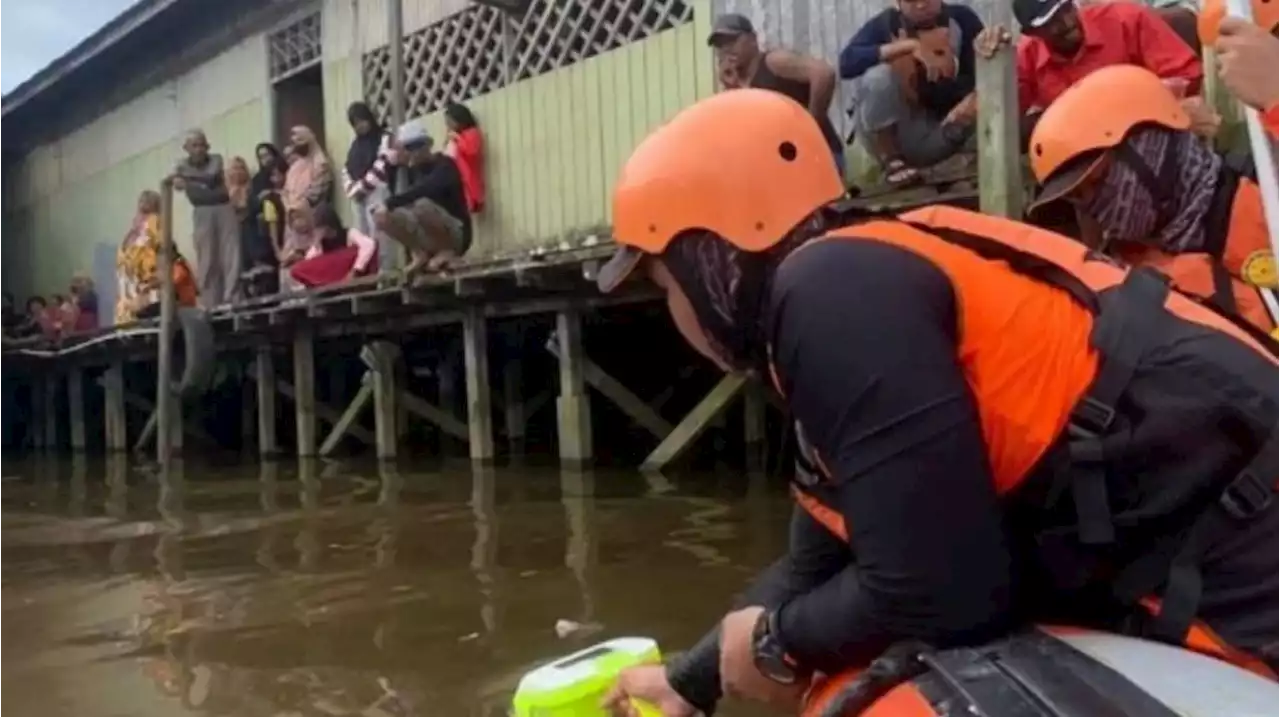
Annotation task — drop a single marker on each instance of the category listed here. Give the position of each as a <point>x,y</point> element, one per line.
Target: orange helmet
<point>748,165</point>
<point>1093,115</point>
<point>1212,11</point>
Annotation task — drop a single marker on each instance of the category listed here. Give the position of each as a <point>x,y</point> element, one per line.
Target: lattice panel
<point>454,59</point>
<point>555,33</point>
<point>481,49</point>
<point>294,47</point>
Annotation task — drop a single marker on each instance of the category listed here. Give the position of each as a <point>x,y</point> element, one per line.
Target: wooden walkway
<point>378,313</point>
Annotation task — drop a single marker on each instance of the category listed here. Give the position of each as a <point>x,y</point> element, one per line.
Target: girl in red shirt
<point>466,146</point>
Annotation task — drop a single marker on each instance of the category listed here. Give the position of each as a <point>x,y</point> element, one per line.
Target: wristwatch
<point>770,657</point>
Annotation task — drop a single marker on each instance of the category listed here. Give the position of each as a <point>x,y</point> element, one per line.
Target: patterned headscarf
<point>1127,210</point>
<point>729,287</point>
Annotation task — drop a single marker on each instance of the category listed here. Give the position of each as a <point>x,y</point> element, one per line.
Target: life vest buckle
<point>1246,496</point>
<point>1092,417</point>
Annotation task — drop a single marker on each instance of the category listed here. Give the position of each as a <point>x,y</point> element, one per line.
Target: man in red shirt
<point>1061,43</point>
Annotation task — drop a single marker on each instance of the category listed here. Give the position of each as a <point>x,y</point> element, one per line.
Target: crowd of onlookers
<point>276,227</point>
<point>77,310</point>
<point>911,69</point>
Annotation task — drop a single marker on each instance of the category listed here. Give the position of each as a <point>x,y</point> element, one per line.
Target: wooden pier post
<point>304,392</point>
<point>264,372</point>
<point>49,399</point>
<point>573,406</point>
<point>75,407</point>
<point>475,350</point>
<point>115,424</point>
<point>513,414</point>
<point>1000,186</point>
<point>382,365</point>
<point>166,402</point>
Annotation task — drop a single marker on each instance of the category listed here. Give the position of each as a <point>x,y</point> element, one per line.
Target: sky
<point>34,33</point>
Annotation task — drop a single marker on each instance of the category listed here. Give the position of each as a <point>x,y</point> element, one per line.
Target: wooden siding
<point>70,195</point>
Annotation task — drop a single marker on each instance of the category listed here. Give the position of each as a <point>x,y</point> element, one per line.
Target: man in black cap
<point>807,80</point>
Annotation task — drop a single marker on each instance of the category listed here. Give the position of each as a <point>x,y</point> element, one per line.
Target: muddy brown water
<point>345,589</point>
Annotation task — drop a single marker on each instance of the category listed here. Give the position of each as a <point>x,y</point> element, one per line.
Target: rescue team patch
<point>1259,269</point>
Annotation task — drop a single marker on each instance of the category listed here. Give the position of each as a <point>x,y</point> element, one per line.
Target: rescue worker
<point>1117,146</point>
<point>995,424</point>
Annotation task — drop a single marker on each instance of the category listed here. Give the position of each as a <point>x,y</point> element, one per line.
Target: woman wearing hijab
<point>269,157</point>
<point>337,254</point>
<point>307,184</point>
<point>366,173</point>
<point>138,290</point>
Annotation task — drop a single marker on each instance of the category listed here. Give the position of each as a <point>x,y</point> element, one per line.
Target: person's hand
<point>380,215</point>
<point>990,40</point>
<point>1247,62</point>
<point>646,683</point>
<point>177,182</point>
<point>1205,121</point>
<point>738,673</point>
<point>965,111</point>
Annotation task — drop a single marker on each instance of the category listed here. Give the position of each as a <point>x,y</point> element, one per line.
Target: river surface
<point>329,589</point>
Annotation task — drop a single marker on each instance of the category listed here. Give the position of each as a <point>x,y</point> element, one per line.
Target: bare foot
<point>440,262</point>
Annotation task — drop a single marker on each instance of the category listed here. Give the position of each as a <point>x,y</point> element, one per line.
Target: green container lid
<point>574,685</point>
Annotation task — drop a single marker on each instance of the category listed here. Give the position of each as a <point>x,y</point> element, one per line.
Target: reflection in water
<point>332,589</point>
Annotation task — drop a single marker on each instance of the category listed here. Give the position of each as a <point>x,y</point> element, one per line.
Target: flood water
<point>348,589</point>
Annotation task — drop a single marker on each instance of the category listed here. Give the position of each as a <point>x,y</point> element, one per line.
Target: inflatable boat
<point>1048,673</point>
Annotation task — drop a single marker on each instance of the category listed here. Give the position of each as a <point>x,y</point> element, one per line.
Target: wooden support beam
<point>248,410</point>
<point>573,406</point>
<point>444,420</point>
<point>148,432</point>
<point>75,407</point>
<point>475,350</point>
<point>325,413</point>
<point>513,417</point>
<point>264,378</point>
<point>611,388</point>
<point>1000,186</point>
<point>688,430</point>
<point>113,414</point>
<point>447,394</point>
<point>380,357</point>
<point>49,399</point>
<point>304,383</point>
<point>348,418</point>
<point>177,425</point>
<point>754,436</point>
<point>35,422</point>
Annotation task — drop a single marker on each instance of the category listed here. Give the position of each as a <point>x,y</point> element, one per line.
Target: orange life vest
<point>1050,335</point>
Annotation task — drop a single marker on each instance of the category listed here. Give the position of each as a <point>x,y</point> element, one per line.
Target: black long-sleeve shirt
<point>864,339</point>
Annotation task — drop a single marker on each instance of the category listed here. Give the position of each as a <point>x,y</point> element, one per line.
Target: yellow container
<point>574,685</point>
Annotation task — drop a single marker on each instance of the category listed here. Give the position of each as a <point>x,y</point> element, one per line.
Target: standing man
<point>807,80</point>
<point>913,72</point>
<point>215,227</point>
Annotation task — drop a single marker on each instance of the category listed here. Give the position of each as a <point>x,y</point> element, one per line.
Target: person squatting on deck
<point>995,426</point>
<point>215,227</point>
<point>913,75</point>
<point>429,216</point>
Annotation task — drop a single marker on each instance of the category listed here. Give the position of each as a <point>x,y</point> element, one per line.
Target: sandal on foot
<point>898,173</point>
